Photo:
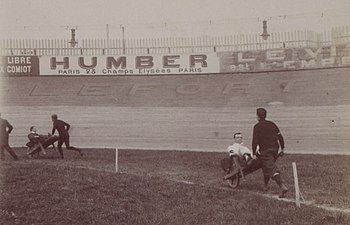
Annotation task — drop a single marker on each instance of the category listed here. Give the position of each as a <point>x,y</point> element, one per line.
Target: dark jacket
<point>5,129</point>
<point>62,128</point>
<point>266,135</point>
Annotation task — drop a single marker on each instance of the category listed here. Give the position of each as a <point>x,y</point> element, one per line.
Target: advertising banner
<point>19,65</point>
<point>285,59</point>
<point>130,64</point>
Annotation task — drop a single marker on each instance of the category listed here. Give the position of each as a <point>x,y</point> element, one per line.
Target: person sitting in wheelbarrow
<point>241,161</point>
<point>238,149</point>
<point>38,142</point>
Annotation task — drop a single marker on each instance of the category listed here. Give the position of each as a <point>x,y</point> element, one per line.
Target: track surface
<point>192,112</point>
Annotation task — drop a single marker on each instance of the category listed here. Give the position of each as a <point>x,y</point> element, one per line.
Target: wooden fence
<point>175,45</point>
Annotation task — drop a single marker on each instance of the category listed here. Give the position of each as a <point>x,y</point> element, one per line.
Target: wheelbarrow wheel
<point>233,171</point>
<point>233,181</point>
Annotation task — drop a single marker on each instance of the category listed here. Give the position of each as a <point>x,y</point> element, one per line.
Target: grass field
<point>192,112</point>
<point>165,187</point>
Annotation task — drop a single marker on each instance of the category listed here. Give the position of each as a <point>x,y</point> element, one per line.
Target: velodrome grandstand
<point>182,93</point>
<point>180,100</point>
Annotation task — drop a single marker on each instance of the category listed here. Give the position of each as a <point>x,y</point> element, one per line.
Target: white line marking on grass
<point>308,203</point>
<point>63,165</point>
<point>332,209</point>
<point>183,181</point>
<point>271,196</point>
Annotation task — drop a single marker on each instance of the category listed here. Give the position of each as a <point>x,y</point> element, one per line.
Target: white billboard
<point>161,64</point>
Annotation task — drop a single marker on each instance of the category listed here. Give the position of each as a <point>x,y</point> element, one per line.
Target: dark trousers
<point>268,162</point>
<point>65,140</point>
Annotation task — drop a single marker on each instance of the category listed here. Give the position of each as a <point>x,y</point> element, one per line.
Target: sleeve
<point>255,140</point>
<point>229,149</point>
<point>281,140</point>
<point>232,150</point>
<point>42,136</point>
<point>9,126</point>
<point>67,126</point>
<point>245,150</point>
<point>53,128</point>
<point>33,138</point>
<point>280,137</point>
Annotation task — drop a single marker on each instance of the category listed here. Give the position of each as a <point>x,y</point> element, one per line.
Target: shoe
<point>284,191</point>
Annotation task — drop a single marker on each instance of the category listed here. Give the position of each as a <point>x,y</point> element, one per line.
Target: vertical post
<point>116,160</point>
<point>123,39</point>
<point>107,36</point>
<point>296,184</point>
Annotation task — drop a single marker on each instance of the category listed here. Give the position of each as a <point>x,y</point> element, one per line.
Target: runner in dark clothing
<point>268,137</point>
<point>63,135</point>
<point>5,130</point>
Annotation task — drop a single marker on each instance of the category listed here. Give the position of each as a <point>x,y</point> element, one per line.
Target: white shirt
<point>238,149</point>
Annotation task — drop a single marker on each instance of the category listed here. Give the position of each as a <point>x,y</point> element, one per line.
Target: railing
<point>176,45</point>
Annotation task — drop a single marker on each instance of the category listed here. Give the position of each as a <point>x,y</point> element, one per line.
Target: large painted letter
<point>169,60</point>
<point>143,62</point>
<point>84,66</point>
<point>198,59</point>
<point>121,61</point>
<point>54,63</point>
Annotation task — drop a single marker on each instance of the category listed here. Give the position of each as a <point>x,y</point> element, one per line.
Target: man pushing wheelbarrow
<point>266,136</point>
